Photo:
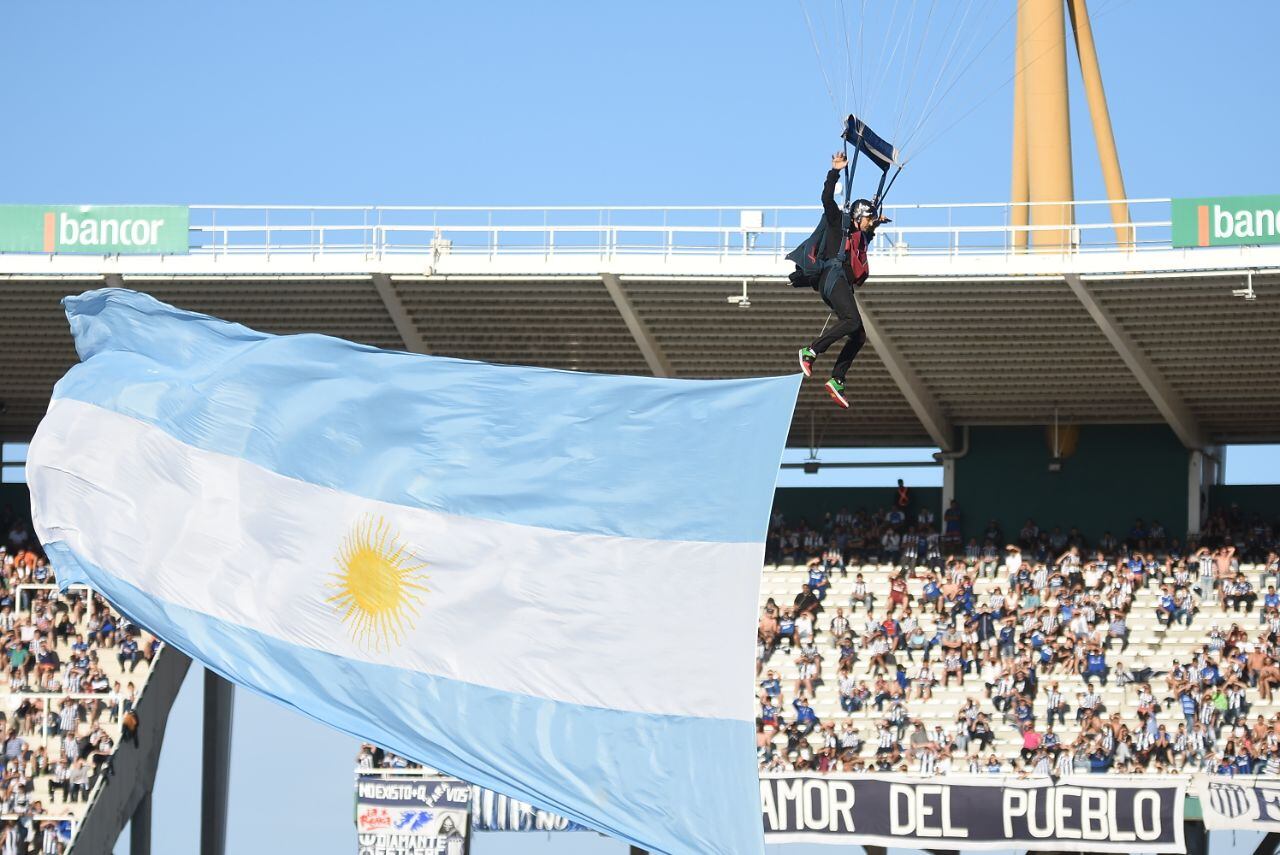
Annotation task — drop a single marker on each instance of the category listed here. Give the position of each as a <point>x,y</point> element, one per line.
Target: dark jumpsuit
<point>838,281</point>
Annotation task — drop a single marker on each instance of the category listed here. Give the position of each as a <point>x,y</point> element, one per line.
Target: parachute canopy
<point>878,150</point>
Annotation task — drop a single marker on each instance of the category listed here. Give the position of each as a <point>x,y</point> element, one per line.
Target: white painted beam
<point>1170,404</point>
<point>640,331</point>
<point>413,341</point>
<point>921,400</point>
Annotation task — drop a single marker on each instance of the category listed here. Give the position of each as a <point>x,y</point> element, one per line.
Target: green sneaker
<point>836,390</point>
<point>806,360</point>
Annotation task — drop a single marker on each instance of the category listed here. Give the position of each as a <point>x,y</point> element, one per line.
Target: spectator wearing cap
<point>806,719</point>
<point>819,579</point>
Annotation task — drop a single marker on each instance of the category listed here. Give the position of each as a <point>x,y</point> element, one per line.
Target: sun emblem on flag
<point>378,586</point>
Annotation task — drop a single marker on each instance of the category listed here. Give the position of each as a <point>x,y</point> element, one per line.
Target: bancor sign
<point>101,230</point>
<point>1226,221</point>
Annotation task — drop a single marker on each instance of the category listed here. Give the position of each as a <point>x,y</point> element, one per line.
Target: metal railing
<point>767,232</point>
<point>38,819</point>
<point>53,701</point>
<point>38,588</point>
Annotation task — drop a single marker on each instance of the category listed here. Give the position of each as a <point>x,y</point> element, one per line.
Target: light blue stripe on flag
<point>628,456</point>
<point>471,731</point>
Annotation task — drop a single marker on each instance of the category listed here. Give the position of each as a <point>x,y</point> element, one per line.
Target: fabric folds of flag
<point>543,582</point>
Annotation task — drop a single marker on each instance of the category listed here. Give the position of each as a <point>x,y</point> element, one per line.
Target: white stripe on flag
<point>585,619</point>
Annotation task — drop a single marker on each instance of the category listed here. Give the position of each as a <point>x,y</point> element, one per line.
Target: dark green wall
<point>1252,498</point>
<point>1116,474</point>
<point>813,503</point>
<point>17,497</point>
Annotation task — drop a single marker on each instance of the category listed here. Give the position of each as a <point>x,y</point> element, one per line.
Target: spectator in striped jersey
<point>50,839</point>
<point>926,678</point>
<point>1235,591</point>
<point>885,741</point>
<point>808,670</point>
<point>953,666</point>
<point>860,596</point>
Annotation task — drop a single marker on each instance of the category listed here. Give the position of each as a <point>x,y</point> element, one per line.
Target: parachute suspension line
<point>850,170</point>
<point>848,61</point>
<point>813,37</point>
<point>1108,10</point>
<point>881,69</point>
<point>968,66</point>
<point>882,191</point>
<point>943,69</point>
<point>948,56</point>
<point>862,20</point>
<point>903,97</point>
<point>965,53</point>
<point>991,94</point>
<point>908,34</point>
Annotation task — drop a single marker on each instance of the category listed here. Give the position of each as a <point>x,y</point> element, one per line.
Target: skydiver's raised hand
<point>839,161</point>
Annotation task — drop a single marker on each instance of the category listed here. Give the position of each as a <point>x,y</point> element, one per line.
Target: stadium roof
<point>957,338</point>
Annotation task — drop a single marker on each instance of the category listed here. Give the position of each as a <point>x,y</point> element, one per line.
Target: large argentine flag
<point>543,582</point>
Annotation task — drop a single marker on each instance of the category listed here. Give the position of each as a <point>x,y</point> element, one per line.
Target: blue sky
<point>571,102</point>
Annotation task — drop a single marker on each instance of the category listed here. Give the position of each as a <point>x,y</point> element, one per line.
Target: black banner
<point>1095,812</point>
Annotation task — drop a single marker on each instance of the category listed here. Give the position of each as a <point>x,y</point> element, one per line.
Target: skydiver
<point>839,279</point>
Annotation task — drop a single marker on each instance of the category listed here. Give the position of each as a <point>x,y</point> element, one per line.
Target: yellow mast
<point>1042,39</point>
<point>1018,193</point>
<point>1101,117</point>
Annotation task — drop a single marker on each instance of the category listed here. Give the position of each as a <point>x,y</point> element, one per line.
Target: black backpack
<point>808,258</point>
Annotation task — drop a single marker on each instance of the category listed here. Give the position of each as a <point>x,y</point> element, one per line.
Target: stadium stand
<point>889,643</point>
<point>75,672</point>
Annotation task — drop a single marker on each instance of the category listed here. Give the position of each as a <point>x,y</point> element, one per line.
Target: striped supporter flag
<point>543,582</point>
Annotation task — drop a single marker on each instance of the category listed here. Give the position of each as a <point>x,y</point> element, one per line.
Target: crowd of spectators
<point>55,749</point>
<point>1033,647</point>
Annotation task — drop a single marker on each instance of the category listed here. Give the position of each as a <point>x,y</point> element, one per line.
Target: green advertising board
<point>100,230</point>
<point>1226,221</point>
